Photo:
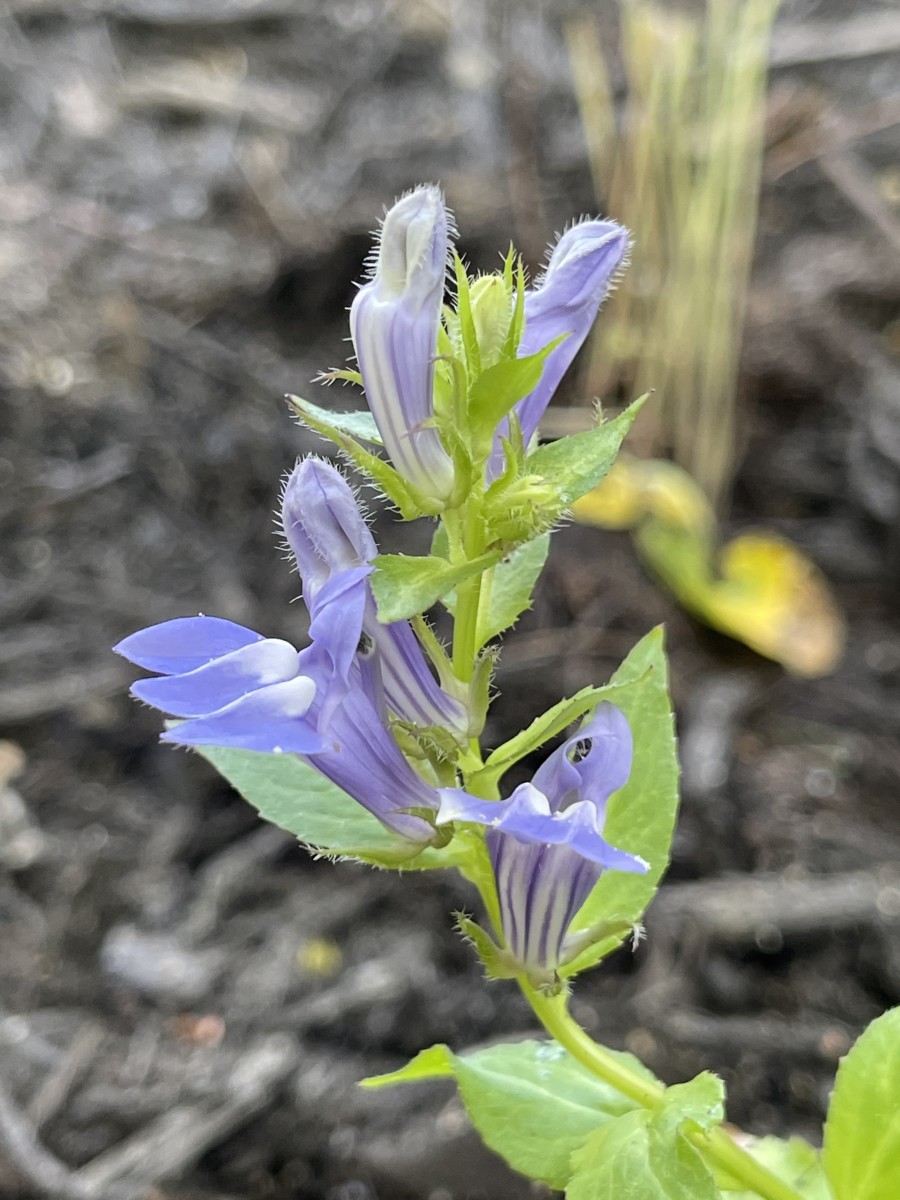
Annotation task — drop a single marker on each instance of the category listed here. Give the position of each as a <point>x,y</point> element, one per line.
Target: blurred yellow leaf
<point>774,599</point>
<point>634,488</point>
<point>617,503</point>
<point>760,589</point>
<point>671,495</point>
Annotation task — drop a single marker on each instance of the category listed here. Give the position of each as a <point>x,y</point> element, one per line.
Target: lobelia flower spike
<point>564,300</point>
<point>546,841</point>
<point>394,322</point>
<point>334,548</point>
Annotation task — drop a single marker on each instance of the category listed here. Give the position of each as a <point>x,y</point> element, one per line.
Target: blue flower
<point>564,301</point>
<point>235,687</point>
<point>331,703</point>
<point>361,756</point>
<point>241,690</point>
<point>546,841</point>
<point>394,323</point>
<point>334,548</point>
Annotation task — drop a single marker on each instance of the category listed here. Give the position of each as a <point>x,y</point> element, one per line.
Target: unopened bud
<point>394,323</point>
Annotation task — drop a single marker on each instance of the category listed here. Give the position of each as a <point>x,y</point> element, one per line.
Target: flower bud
<point>323,525</point>
<point>394,322</point>
<point>564,303</point>
<point>492,313</point>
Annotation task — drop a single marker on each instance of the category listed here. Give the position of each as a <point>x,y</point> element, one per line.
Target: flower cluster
<point>368,704</point>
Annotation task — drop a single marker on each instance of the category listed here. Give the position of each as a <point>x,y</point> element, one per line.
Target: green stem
<point>468,594</point>
<point>484,598</point>
<point>465,628</point>
<point>716,1146</point>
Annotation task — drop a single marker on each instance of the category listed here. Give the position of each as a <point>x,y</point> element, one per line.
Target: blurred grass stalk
<point>681,169</point>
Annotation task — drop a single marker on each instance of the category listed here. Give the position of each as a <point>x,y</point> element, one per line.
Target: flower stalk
<point>717,1146</point>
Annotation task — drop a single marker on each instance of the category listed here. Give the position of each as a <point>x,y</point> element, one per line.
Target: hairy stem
<point>468,596</point>
<point>465,628</point>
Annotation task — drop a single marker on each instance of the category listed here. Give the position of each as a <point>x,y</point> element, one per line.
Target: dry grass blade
<point>683,171</point>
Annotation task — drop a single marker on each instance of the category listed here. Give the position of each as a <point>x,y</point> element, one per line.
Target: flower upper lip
<point>564,300</point>
<point>412,251</point>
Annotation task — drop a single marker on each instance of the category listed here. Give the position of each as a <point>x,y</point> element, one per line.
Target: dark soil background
<point>186,999</point>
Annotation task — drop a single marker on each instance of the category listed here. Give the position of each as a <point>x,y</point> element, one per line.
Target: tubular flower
<point>564,301</point>
<point>334,548</point>
<point>239,689</point>
<point>394,323</point>
<point>361,756</point>
<point>330,703</point>
<point>546,841</point>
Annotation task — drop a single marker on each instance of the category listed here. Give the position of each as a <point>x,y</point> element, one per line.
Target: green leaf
<point>700,1102</point>
<point>293,795</point>
<point>409,501</point>
<point>509,593</point>
<point>640,817</point>
<point>642,1155</point>
<point>632,1159</point>
<point>405,585</point>
<point>577,463</point>
<point>862,1131</point>
<point>511,586</point>
<point>794,1161</point>
<point>358,424</point>
<point>498,389</point>
<point>531,1101</point>
<point>437,1062</point>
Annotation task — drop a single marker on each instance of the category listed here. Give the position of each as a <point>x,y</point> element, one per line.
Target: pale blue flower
<point>330,541</point>
<point>394,323</point>
<point>546,841</point>
<point>564,302</point>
